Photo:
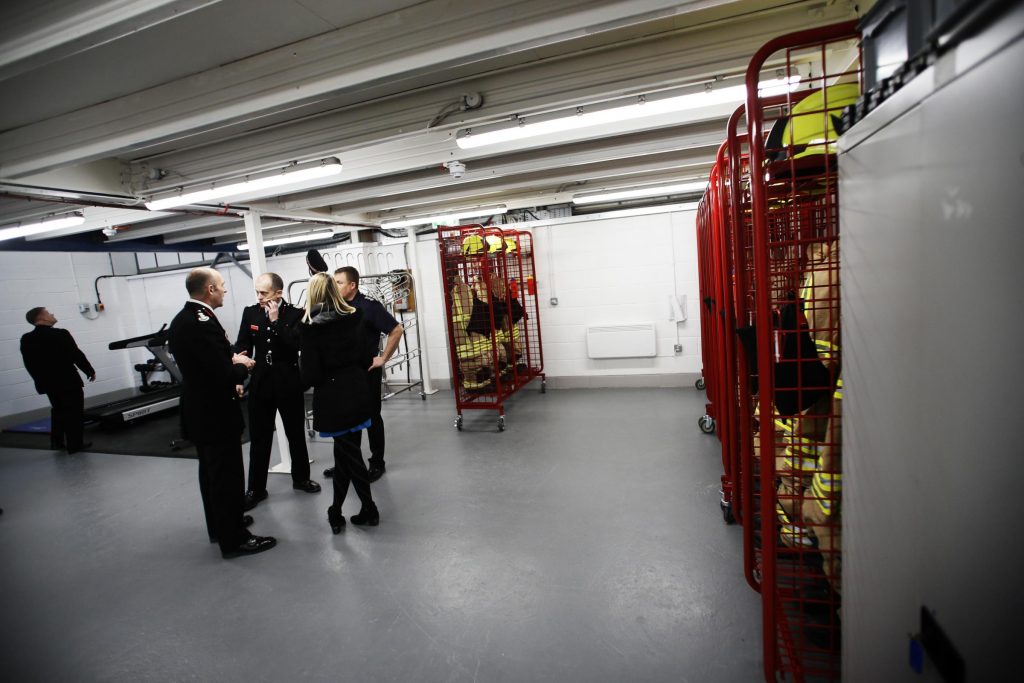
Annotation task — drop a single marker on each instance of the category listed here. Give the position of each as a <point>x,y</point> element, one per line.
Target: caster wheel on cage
<point>311,433</point>
<point>423,396</point>
<point>458,423</point>
<point>706,424</point>
<point>501,423</point>
<point>543,386</point>
<point>727,513</point>
<point>700,384</point>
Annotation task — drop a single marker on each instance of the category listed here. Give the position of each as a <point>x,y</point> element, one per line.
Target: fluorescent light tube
<point>648,210</point>
<point>291,239</point>
<point>44,225</point>
<point>613,112</point>
<point>407,222</point>
<point>638,192</point>
<point>449,217</point>
<point>481,211</point>
<point>287,176</point>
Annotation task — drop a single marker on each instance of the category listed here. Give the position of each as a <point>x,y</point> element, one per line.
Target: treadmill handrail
<point>142,340</point>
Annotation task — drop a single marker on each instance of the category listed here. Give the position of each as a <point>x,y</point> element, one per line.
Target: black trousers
<point>375,434</point>
<point>292,406</point>
<point>66,417</point>
<point>222,488</point>
<point>349,467</point>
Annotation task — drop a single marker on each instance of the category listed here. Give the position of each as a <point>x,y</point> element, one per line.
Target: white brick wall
<point>617,271</point>
<point>58,281</point>
<point>609,271</point>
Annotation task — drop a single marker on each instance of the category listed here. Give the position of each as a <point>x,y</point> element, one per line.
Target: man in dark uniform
<point>377,321</point>
<point>211,417</point>
<point>51,358</point>
<point>269,334</point>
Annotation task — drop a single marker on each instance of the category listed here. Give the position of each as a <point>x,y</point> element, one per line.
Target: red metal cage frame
<point>492,315</point>
<point>767,254</point>
<point>794,212</point>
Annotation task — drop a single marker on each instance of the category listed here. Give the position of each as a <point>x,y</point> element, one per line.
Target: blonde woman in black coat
<point>335,361</point>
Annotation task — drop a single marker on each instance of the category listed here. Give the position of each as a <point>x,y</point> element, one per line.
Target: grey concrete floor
<point>584,543</point>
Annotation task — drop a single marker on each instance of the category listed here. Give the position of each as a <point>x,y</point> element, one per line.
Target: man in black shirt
<point>269,334</point>
<point>211,417</point>
<point>377,321</point>
<point>51,357</point>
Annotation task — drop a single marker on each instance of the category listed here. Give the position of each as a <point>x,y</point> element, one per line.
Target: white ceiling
<point>110,101</point>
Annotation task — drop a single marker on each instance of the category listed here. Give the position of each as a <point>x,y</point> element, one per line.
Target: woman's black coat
<point>335,361</point>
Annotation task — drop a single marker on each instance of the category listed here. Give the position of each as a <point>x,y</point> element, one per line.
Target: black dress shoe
<point>335,519</point>
<point>329,473</point>
<point>309,486</point>
<point>255,544</point>
<point>366,517</point>
<point>252,499</point>
<point>247,521</point>
<point>376,471</point>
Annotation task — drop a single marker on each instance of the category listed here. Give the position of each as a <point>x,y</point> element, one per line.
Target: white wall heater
<point>621,341</point>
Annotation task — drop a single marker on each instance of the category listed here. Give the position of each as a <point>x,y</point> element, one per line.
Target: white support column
<point>414,266</point>
<point>254,236</point>
<point>258,264</point>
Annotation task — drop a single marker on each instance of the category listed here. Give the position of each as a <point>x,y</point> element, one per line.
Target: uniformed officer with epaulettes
<point>211,417</point>
<point>269,334</point>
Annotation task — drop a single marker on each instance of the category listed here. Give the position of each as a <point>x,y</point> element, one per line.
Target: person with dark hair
<point>333,361</point>
<point>269,334</point>
<point>53,359</point>
<point>376,322</point>
<point>315,262</point>
<point>211,417</point>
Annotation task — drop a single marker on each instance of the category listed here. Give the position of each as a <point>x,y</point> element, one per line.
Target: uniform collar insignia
<point>201,314</point>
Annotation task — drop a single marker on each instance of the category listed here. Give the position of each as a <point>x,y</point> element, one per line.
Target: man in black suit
<point>269,334</point>
<point>211,417</point>
<point>51,358</point>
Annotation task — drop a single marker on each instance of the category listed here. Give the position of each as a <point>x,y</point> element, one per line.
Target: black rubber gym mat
<point>151,435</point>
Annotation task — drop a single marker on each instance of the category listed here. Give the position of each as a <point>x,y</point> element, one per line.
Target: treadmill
<point>150,398</point>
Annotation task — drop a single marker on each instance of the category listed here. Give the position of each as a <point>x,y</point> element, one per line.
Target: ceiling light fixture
<point>291,239</point>
<point>258,181</point>
<point>449,217</point>
<point>481,211</point>
<point>42,225</point>
<point>648,210</point>
<point>638,192</point>
<point>614,111</point>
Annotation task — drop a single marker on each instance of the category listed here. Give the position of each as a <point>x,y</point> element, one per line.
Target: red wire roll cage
<point>492,315</point>
<point>768,255</point>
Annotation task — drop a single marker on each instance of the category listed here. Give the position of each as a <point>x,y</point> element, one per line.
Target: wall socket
<point>84,308</point>
<point>554,301</point>
<point>678,348</point>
